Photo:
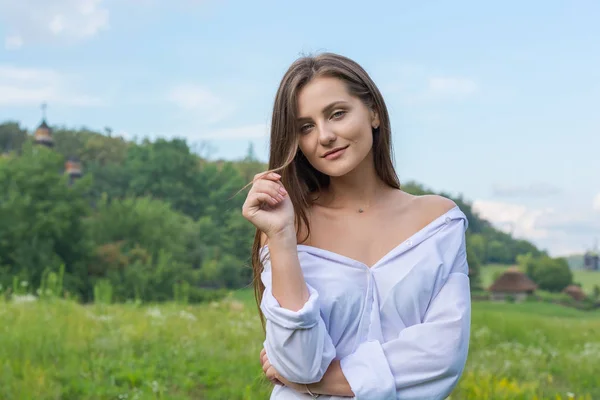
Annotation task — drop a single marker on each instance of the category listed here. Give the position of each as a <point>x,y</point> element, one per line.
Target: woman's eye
<point>338,114</point>
<point>304,128</point>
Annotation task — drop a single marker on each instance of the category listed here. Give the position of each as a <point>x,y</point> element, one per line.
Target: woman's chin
<point>335,171</point>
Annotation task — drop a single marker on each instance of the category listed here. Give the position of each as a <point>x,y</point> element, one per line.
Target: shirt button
<point>409,243</point>
<point>447,220</point>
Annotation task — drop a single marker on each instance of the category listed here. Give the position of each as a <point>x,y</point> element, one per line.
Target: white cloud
<point>35,21</point>
<point>538,189</point>
<point>258,131</point>
<point>199,103</point>
<point>13,42</point>
<point>415,85</point>
<point>33,86</point>
<point>515,218</point>
<point>596,204</point>
<point>561,232</point>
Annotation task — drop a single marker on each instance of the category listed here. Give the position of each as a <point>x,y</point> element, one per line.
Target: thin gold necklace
<point>362,209</point>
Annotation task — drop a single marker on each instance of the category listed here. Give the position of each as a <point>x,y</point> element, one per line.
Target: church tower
<point>43,134</point>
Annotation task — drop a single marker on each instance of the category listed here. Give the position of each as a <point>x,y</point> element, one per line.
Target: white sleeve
<point>426,360</point>
<point>297,342</point>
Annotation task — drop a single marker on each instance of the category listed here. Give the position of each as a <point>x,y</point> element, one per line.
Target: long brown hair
<point>298,176</point>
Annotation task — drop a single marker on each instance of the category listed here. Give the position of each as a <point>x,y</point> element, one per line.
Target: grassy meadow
<point>62,350</point>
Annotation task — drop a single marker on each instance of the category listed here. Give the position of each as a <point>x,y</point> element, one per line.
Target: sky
<point>495,101</point>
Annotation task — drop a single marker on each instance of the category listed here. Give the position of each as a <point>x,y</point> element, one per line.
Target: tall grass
<point>62,350</point>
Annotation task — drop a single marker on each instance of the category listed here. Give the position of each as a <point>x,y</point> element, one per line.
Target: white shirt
<point>399,328</point>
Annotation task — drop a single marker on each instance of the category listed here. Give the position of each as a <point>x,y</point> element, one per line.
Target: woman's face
<point>330,118</point>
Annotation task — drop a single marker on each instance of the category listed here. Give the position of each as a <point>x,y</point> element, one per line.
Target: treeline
<point>145,217</point>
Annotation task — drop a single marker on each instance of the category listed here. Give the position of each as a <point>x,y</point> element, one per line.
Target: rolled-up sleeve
<point>426,360</point>
<point>297,342</point>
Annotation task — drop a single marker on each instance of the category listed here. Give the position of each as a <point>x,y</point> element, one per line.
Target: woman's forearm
<point>333,383</point>
<point>288,284</point>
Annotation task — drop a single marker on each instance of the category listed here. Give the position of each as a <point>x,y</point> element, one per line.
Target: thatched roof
<point>513,281</point>
<point>575,292</point>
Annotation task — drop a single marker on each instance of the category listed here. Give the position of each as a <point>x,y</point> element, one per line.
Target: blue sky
<point>498,101</point>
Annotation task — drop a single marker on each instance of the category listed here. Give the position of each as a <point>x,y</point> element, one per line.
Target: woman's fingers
<point>264,191</point>
<point>266,365</point>
<point>263,356</point>
<point>263,353</point>
<point>273,176</point>
<point>274,189</point>
<point>268,369</point>
<point>271,374</point>
<point>264,198</point>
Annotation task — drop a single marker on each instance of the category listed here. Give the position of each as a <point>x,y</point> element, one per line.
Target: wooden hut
<point>575,292</point>
<point>512,283</point>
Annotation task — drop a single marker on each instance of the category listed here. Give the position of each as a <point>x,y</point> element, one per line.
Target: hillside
<point>110,215</point>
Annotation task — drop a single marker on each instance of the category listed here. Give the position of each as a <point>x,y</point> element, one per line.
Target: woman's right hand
<point>268,206</point>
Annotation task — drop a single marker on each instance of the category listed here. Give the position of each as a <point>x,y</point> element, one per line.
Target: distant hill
<point>109,160</point>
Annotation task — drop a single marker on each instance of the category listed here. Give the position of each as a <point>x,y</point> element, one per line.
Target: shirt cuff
<point>305,318</point>
<point>368,373</point>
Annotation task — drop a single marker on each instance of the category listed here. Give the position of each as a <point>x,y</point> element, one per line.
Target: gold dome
<point>43,135</point>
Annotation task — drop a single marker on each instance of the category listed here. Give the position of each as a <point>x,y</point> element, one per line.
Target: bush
<point>202,295</point>
<point>551,274</point>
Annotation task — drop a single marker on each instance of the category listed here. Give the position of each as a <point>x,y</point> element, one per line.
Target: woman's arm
<point>288,284</point>
<point>333,383</point>
<point>297,342</point>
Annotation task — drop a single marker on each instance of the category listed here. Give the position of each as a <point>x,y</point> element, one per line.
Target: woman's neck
<point>357,191</point>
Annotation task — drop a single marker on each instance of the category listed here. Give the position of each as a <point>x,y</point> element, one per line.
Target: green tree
<point>552,274</point>
<point>42,218</point>
<point>474,267</point>
<point>142,247</point>
<point>477,243</point>
<point>498,252</point>
<point>168,171</point>
<point>12,137</point>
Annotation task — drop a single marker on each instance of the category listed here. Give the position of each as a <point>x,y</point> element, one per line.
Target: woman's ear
<point>375,119</point>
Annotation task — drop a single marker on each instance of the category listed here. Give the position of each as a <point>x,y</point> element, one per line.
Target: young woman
<point>363,287</point>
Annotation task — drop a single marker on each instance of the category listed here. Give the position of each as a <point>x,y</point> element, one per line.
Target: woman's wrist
<point>282,240</point>
<point>284,234</point>
<point>313,395</point>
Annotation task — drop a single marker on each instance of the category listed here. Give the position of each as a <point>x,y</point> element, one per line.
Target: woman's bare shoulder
<point>430,207</point>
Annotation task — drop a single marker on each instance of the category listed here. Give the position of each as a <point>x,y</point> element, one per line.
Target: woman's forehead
<point>319,93</point>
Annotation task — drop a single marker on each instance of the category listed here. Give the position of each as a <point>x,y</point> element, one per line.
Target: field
<point>62,350</point>
<point>586,278</point>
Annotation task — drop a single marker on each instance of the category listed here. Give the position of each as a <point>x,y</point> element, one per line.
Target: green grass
<point>62,350</point>
<point>586,278</point>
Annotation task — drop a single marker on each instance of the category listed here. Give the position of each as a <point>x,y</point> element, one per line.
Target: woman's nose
<point>326,135</point>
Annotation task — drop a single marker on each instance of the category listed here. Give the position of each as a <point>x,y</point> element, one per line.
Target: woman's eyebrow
<point>325,109</point>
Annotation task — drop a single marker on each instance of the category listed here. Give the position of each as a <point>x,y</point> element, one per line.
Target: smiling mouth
<point>335,152</point>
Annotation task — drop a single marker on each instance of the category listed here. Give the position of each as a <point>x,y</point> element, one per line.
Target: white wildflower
<point>154,313</point>
<point>28,298</point>
<point>186,315</point>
